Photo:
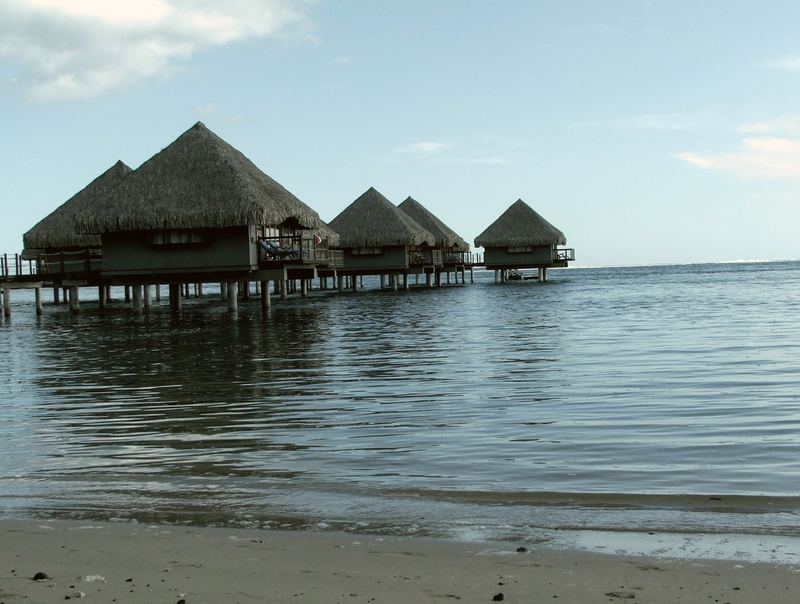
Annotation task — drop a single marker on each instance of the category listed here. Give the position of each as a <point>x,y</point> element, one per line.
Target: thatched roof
<point>520,225</point>
<point>446,237</point>
<point>199,181</point>
<point>373,220</point>
<point>326,232</point>
<point>57,229</point>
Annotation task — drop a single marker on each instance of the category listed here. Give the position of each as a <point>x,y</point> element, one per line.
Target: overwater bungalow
<point>454,254</point>
<point>200,211</point>
<point>53,243</point>
<point>377,238</point>
<point>520,238</point>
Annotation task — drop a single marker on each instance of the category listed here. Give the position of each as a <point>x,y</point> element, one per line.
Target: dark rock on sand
<point>521,550</point>
<point>40,576</point>
<point>498,597</point>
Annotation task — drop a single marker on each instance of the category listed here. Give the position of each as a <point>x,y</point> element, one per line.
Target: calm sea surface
<point>663,398</point>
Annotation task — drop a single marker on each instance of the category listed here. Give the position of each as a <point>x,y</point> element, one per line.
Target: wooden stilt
<point>74,301</point>
<point>158,293</point>
<point>393,281</point>
<point>233,299</point>
<point>223,290</point>
<point>148,296</point>
<point>127,294</point>
<point>6,301</point>
<point>137,299</point>
<point>101,295</point>
<point>265,297</point>
<point>406,284</point>
<point>56,296</point>
<point>284,287</point>
<point>38,297</point>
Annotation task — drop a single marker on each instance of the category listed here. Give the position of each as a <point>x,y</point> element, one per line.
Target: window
<point>520,249</point>
<point>366,251</point>
<point>177,237</point>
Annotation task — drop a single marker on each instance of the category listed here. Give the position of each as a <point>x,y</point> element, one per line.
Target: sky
<point>647,131</point>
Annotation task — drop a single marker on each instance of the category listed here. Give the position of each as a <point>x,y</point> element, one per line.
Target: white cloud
<point>756,158</point>
<point>343,60</point>
<point>71,49</point>
<point>647,121</point>
<point>787,123</point>
<point>424,148</point>
<point>786,63</point>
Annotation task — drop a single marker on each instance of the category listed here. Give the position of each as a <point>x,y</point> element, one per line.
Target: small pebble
<point>498,597</point>
<point>521,550</point>
<point>40,576</point>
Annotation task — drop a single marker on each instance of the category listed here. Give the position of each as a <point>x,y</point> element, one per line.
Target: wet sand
<point>120,562</point>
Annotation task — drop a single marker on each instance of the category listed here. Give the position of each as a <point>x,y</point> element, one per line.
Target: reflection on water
<point>661,381</point>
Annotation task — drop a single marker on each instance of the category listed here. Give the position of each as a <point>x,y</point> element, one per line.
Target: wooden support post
<point>471,275</point>
<point>223,291</point>
<point>416,279</point>
<point>448,277</point>
<point>341,283</point>
<point>284,287</point>
<point>233,299</point>
<point>354,282</point>
<point>199,290</point>
<point>148,296</point>
<point>406,284</point>
<point>38,296</point>
<point>496,276</point>
<point>158,293</point>
<point>304,287</point>
<point>544,274</point>
<point>137,299</point>
<point>265,297</point>
<point>56,300</point>
<point>101,295</point>
<point>393,281</point>
<point>438,278</point>
<point>6,301</point>
<point>74,301</point>
<point>383,281</point>
<point>108,294</point>
<point>245,289</point>
<point>127,294</point>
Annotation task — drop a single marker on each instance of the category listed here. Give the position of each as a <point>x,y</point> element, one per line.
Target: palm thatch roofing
<point>57,230</point>
<point>446,237</point>
<point>326,232</point>
<point>520,225</point>
<point>199,181</point>
<point>373,220</point>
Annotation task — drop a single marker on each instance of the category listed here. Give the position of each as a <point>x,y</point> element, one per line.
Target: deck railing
<point>423,257</point>
<point>466,258</point>
<point>298,248</point>
<point>75,264</point>
<point>565,254</point>
<point>14,266</point>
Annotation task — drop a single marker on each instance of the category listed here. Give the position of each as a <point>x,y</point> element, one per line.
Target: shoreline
<point>130,562</point>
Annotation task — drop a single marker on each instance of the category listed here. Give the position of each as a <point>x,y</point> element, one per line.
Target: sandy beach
<point>121,562</point>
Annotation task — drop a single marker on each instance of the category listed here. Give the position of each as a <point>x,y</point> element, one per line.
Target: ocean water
<point>622,399</point>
